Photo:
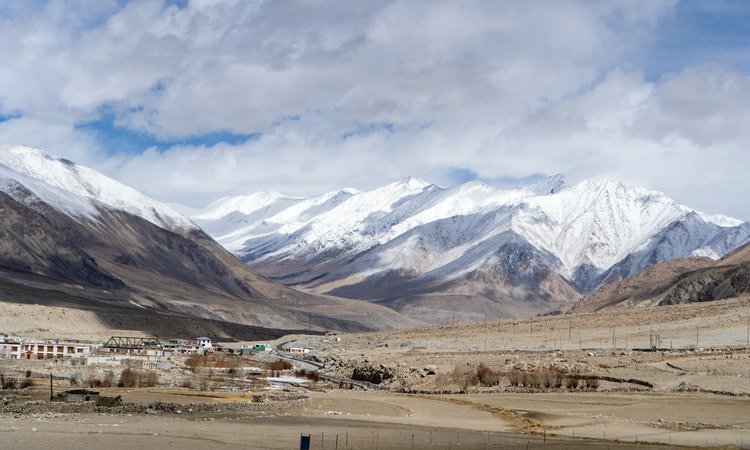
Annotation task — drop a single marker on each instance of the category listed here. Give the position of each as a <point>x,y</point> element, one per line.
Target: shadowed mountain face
<point>470,252</point>
<point>675,282</point>
<point>155,272</point>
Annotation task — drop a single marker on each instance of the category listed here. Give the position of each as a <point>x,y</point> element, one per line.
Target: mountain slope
<point>470,251</point>
<point>66,226</point>
<point>679,281</point>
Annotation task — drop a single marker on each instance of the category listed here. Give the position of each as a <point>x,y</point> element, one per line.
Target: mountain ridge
<point>413,236</point>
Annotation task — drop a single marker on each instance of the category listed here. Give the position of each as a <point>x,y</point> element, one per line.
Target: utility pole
<point>51,397</point>
<point>570,328</point>
<point>697,330</point>
<point>614,341</point>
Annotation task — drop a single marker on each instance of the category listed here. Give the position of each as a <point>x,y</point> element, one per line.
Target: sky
<point>189,101</point>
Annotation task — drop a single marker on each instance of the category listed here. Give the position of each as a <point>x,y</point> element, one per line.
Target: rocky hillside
<point>675,282</point>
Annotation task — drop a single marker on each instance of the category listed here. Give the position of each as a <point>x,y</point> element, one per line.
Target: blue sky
<point>697,32</point>
<point>192,100</point>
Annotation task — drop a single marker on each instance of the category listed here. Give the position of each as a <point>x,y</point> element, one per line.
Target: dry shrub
<point>571,382</point>
<point>551,378</point>
<point>442,380</point>
<point>152,379</point>
<point>311,375</point>
<point>108,380</point>
<point>514,377</point>
<point>486,376</point>
<point>136,378</point>
<point>129,378</point>
<point>195,362</point>
<point>464,376</point>
<point>280,364</point>
<point>531,379</point>
<point>187,384</point>
<point>591,383</point>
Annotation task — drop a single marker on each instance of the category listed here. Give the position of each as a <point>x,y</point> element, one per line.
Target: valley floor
<point>694,390</point>
<point>369,420</point>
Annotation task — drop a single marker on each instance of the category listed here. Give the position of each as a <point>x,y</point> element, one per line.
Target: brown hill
<point>148,278</point>
<point>679,281</point>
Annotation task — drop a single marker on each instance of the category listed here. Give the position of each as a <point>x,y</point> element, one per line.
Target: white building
<point>204,343</point>
<point>299,350</point>
<point>43,350</point>
<point>10,350</point>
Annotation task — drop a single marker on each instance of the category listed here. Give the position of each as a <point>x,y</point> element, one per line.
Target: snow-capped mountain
<point>53,180</point>
<point>420,248</point>
<point>73,237</point>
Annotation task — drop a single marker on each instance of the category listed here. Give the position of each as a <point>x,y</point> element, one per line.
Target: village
<point>128,361</point>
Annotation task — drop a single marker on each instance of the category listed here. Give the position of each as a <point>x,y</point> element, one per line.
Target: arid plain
<point>692,390</point>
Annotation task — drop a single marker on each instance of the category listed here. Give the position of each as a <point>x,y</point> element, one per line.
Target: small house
<point>204,343</point>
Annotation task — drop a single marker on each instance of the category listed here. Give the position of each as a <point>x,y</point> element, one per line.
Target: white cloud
<point>501,89</point>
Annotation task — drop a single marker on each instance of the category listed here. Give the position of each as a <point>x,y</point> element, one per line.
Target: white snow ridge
<point>78,190</point>
<point>589,232</point>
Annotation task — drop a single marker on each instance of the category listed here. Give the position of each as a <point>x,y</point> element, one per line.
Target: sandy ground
<point>42,322</point>
<point>337,419</point>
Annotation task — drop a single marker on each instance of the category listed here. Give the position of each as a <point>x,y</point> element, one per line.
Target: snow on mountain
<point>411,231</point>
<point>78,190</point>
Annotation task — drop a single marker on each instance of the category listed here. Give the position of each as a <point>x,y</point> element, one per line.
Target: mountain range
<point>72,237</point>
<point>401,255</point>
<point>470,252</point>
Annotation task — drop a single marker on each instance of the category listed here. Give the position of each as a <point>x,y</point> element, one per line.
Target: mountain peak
<point>549,185</point>
<point>411,183</point>
<point>83,185</point>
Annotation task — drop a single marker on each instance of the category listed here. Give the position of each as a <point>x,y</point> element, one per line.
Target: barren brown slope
<point>643,285</point>
<point>134,263</point>
<point>739,256</point>
<point>679,281</point>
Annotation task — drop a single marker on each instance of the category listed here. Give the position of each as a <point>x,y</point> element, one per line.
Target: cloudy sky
<point>192,100</point>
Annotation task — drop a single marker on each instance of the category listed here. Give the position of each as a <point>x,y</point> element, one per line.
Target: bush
<point>109,379</point>
<point>464,376</point>
<point>486,376</point>
<point>551,378</point>
<point>152,379</point>
<point>196,361</point>
<point>135,378</point>
<point>280,364</point>
<point>571,382</point>
<point>591,383</point>
<point>311,375</point>
<point>514,377</point>
<point>129,378</point>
